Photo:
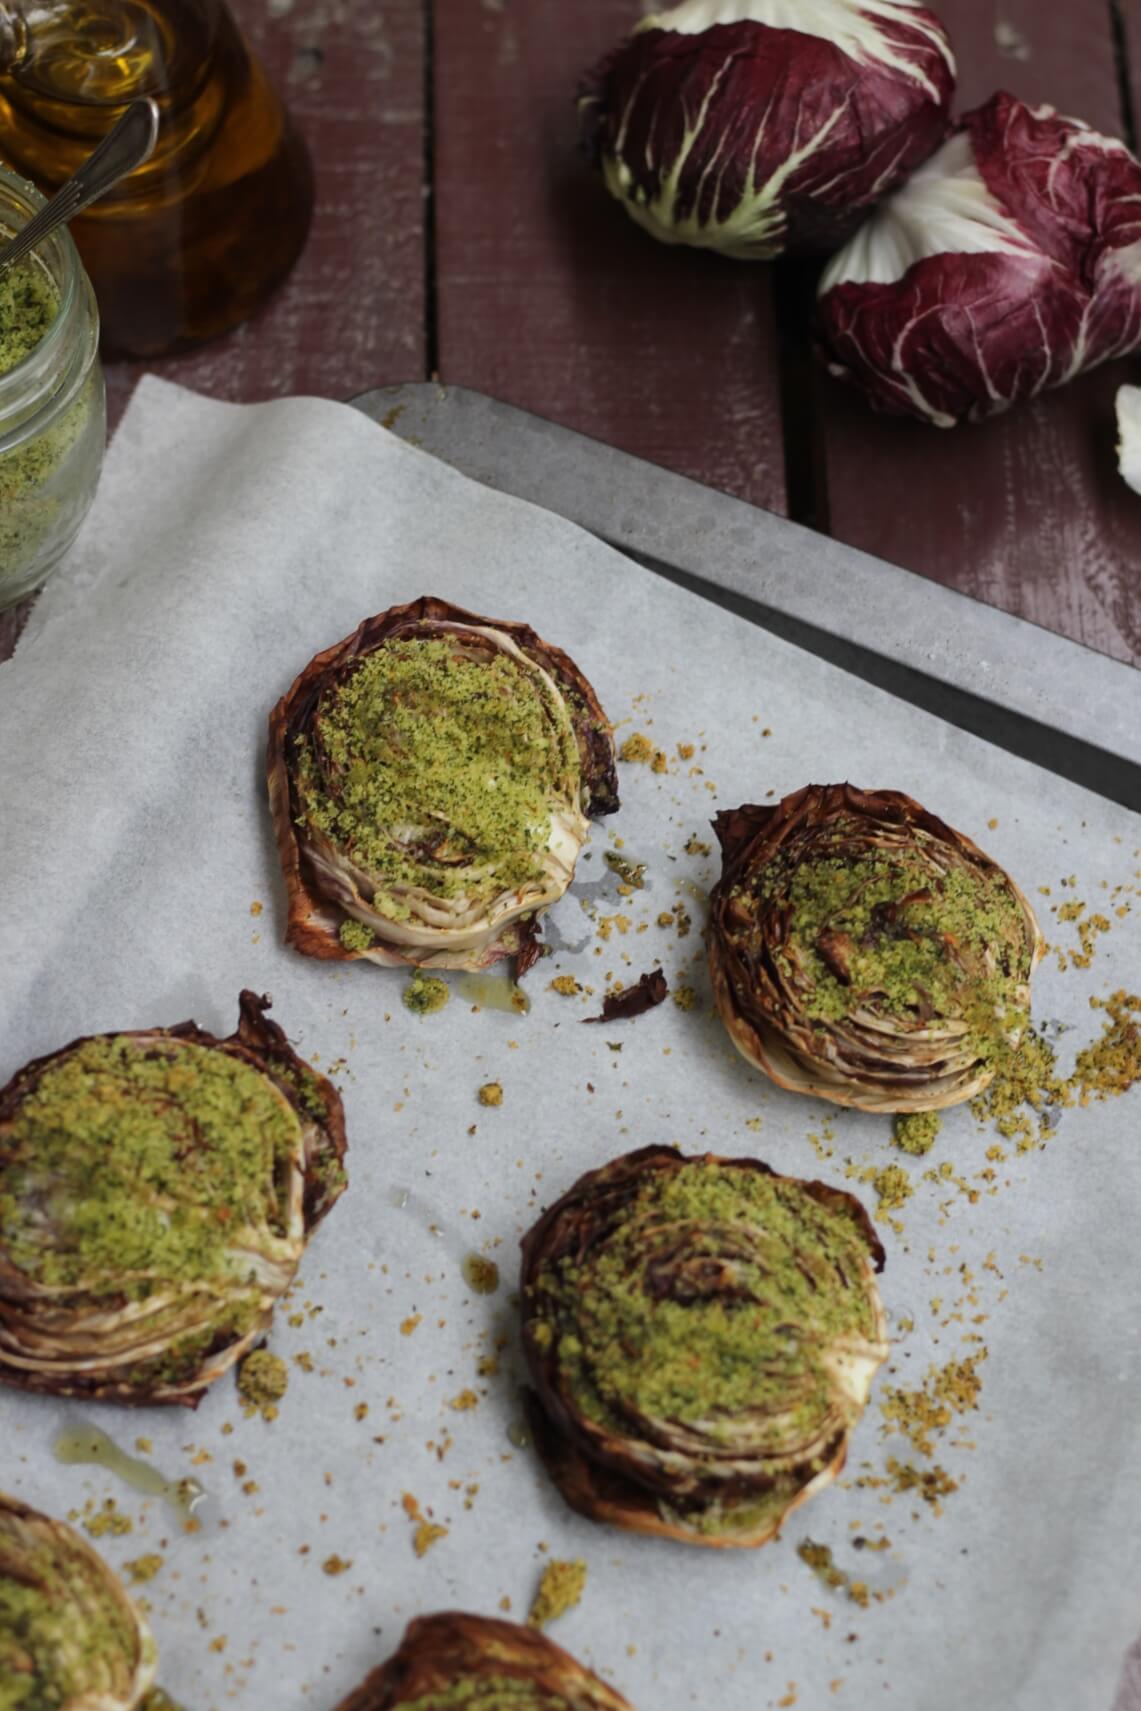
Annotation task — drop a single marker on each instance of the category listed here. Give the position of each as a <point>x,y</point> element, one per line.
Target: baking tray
<point>284,525</point>
<point>1013,683</point>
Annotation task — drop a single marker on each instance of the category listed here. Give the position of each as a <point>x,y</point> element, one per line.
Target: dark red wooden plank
<point>1026,512</point>
<point>351,315</point>
<point>550,298</point>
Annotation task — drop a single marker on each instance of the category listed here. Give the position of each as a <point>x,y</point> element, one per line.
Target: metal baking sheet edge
<point>1061,705</point>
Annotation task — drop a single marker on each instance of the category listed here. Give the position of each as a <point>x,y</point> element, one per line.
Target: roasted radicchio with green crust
<point>1009,263</point>
<point>431,778</point>
<point>759,127</point>
<point>157,1190</point>
<point>702,1336</point>
<point>70,1638</point>
<point>456,1662</point>
<point>862,951</point>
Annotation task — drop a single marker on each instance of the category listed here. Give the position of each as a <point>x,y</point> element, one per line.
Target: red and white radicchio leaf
<point>1129,435</point>
<point>1009,263</point>
<point>757,127</point>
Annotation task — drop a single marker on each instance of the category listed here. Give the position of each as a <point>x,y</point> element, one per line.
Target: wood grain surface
<point>460,231</point>
<point>351,315</point>
<point>1026,512</point>
<point>550,298</point>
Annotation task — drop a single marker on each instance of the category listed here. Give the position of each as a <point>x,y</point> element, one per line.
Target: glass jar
<point>53,415</point>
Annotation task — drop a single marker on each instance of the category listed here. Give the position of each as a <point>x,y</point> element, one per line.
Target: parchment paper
<point>227,545</point>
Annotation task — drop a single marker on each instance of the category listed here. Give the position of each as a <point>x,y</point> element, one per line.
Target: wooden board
<point>550,298</point>
<point>544,294</point>
<point>1026,512</point>
<point>351,314</point>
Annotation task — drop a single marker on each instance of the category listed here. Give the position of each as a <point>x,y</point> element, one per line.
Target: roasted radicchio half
<point>431,779</point>
<point>69,1635</point>
<point>157,1190</point>
<point>453,1659</point>
<point>862,951</point>
<point>756,127</point>
<point>1008,264</point>
<point>702,1335</point>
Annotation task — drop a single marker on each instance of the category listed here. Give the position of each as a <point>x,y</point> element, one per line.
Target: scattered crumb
<point>566,984</point>
<point>336,1564</point>
<point>819,1560</point>
<point>427,1533</point>
<point>108,1520</point>
<point>946,1391</point>
<point>425,994</point>
<point>560,1589</point>
<point>407,1326</point>
<point>632,873</point>
<point>932,1483</point>
<point>466,1400</point>
<point>491,1093</point>
<point>915,1132</point>
<point>142,1569</point>
<point>262,1381</point>
<point>638,748</point>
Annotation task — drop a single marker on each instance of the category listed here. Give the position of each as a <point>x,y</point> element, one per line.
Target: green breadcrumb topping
<point>434,764</point>
<point>143,1159</point>
<point>950,944</point>
<point>355,936</point>
<point>639,1334</point>
<point>60,1633</point>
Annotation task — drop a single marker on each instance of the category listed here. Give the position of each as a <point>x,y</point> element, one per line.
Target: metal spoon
<point>125,147</point>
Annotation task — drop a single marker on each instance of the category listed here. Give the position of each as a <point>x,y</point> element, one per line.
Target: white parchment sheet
<point>227,545</point>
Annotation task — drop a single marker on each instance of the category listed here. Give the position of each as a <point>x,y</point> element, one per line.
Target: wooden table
<point>459,233</point>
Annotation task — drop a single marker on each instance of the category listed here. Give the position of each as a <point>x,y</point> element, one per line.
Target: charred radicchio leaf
<point>1009,263</point>
<point>864,952</point>
<point>157,1190</point>
<point>702,1335</point>
<point>475,1663</point>
<point>70,1638</point>
<point>756,127</point>
<point>430,778</point>
<point>647,991</point>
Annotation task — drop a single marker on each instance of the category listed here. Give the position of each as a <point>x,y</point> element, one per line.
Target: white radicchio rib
<point>758,127</point>
<point>1008,264</point>
<point>1129,435</point>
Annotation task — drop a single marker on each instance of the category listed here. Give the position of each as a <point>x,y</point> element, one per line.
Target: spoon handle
<point>126,146</point>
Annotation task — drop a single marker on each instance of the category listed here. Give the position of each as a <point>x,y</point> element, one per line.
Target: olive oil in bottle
<point>195,240</point>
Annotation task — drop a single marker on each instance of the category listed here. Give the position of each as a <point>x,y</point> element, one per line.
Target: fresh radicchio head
<point>1008,264</point>
<point>756,127</point>
<point>702,1335</point>
<point>863,951</point>
<point>431,778</point>
<point>70,1637</point>
<point>453,1659</point>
